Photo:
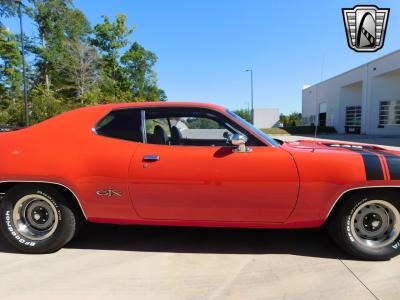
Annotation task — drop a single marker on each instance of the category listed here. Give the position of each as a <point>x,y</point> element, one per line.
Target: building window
<point>389,113</point>
<point>353,115</point>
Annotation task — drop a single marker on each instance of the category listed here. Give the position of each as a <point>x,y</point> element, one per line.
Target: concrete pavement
<point>139,262</point>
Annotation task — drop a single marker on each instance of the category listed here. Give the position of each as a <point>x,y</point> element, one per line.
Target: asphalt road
<point>140,262</point>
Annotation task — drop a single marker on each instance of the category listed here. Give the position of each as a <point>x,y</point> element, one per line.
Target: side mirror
<point>240,141</point>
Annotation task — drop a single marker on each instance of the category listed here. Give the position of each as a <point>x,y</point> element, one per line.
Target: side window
<point>201,123</point>
<point>122,124</point>
<point>186,128</point>
<point>195,130</point>
<point>158,131</point>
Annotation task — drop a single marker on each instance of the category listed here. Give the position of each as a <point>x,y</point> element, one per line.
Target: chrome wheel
<point>375,224</point>
<point>35,217</point>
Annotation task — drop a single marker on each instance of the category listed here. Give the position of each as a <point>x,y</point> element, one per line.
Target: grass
<point>298,130</point>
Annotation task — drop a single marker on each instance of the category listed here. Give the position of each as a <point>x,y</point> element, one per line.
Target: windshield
<point>255,129</point>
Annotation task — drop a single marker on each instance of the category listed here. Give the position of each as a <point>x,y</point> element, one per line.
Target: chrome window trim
<point>357,188</point>
<point>50,182</point>
<point>224,113</point>
<point>143,122</point>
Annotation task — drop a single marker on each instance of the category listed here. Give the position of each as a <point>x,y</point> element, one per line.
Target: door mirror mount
<point>239,140</point>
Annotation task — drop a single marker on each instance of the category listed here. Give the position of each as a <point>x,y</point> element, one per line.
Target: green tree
<point>8,8</point>
<point>10,68</point>
<point>71,64</point>
<point>58,23</point>
<point>284,119</point>
<point>110,38</point>
<point>294,119</point>
<point>138,63</point>
<point>243,113</point>
<point>81,71</point>
<point>44,104</point>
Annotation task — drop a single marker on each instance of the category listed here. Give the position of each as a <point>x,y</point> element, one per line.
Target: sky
<point>204,46</point>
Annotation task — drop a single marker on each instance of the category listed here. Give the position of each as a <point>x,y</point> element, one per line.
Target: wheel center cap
<point>375,223</point>
<point>372,222</point>
<point>39,216</point>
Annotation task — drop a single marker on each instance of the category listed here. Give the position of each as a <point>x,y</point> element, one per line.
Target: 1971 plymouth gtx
<point>191,164</point>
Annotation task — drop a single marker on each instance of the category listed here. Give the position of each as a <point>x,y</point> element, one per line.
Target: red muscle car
<point>191,164</point>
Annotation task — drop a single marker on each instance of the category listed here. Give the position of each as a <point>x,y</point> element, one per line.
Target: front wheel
<point>36,218</point>
<point>368,226</point>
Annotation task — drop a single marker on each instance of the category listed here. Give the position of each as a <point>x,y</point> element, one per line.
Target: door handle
<point>151,157</point>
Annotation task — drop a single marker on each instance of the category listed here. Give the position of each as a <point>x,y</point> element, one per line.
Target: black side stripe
<point>393,163</point>
<point>372,164</point>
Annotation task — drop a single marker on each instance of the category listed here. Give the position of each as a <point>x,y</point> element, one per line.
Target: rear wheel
<point>36,218</point>
<point>368,226</point>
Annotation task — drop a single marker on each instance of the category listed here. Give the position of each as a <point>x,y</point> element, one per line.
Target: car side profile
<point>191,164</point>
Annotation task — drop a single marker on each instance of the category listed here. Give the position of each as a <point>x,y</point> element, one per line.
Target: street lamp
<point>19,3</point>
<point>247,103</point>
<point>251,90</point>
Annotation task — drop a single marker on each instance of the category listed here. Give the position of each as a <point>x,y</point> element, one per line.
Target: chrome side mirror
<point>240,141</point>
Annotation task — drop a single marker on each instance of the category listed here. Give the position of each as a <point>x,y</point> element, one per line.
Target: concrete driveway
<point>140,262</point>
<point>137,262</point>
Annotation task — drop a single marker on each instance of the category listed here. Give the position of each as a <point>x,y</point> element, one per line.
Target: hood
<point>333,145</point>
<point>378,161</point>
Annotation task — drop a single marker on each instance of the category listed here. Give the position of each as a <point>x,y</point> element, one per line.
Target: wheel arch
<point>368,189</point>
<point>5,186</point>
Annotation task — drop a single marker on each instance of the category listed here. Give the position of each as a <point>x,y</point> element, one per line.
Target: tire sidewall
<point>23,243</point>
<point>356,247</point>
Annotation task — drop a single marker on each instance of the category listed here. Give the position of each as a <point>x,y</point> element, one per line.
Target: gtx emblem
<point>109,193</point>
<point>365,27</point>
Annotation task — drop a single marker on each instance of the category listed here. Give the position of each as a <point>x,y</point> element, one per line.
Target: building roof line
<point>353,69</point>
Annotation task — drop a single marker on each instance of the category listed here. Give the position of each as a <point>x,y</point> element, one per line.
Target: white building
<point>363,100</point>
<point>266,117</point>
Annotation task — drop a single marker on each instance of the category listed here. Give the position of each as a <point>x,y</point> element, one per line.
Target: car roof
<point>88,116</point>
<point>162,104</point>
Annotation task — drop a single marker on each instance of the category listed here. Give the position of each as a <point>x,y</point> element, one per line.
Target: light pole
<point>248,109</point>
<point>19,2</point>
<point>251,90</point>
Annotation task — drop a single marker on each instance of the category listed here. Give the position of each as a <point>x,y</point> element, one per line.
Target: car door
<point>202,179</point>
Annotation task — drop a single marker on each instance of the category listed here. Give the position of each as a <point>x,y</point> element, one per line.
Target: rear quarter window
<point>122,124</point>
